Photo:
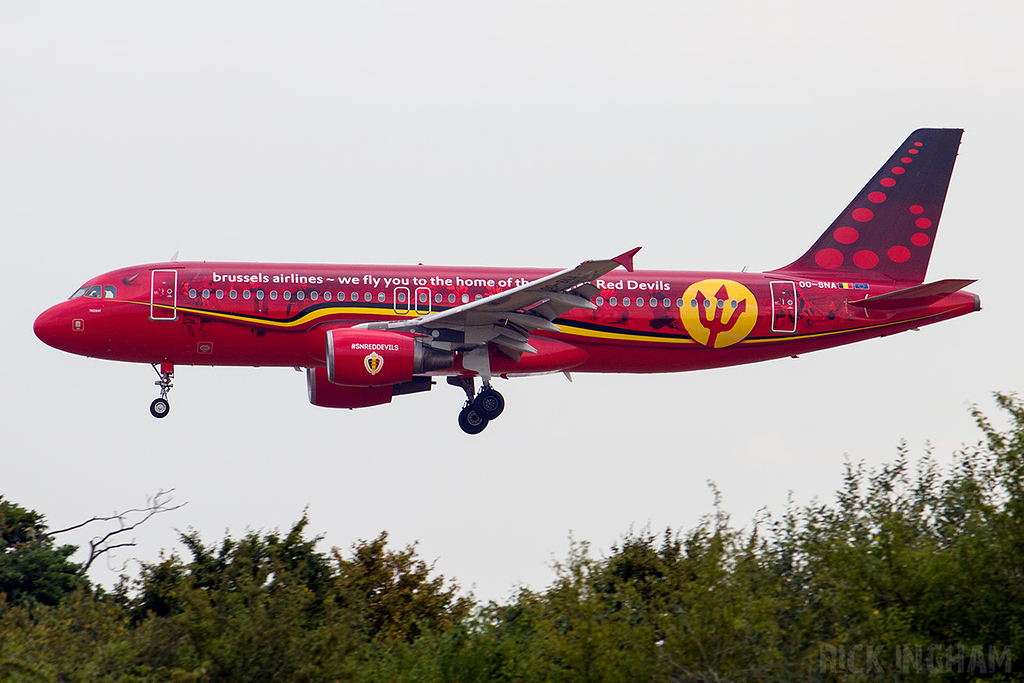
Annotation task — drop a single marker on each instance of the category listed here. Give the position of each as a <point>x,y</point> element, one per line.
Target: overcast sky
<point>717,136</point>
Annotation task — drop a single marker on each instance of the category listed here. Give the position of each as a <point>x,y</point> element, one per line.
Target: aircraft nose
<point>51,326</point>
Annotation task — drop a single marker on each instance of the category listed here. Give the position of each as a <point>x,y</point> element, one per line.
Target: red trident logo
<point>722,320</point>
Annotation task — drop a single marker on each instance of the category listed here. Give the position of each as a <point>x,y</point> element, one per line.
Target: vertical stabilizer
<point>888,230</point>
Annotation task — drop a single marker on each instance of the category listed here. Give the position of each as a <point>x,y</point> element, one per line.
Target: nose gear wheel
<point>160,407</point>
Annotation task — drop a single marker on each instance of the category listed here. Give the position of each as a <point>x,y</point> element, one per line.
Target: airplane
<point>365,334</point>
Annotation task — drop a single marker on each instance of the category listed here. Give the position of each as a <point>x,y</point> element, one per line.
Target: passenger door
<point>784,307</point>
<point>163,300</point>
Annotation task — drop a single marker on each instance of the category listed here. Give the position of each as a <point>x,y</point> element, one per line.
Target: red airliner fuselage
<point>262,314</point>
<point>368,333</point>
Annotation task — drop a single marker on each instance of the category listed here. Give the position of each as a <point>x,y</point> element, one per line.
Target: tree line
<point>914,572</point>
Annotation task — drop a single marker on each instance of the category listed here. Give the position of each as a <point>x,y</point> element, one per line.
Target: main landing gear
<point>161,406</point>
<point>480,408</point>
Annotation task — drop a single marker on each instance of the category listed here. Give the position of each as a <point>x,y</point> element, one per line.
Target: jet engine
<point>375,358</point>
<point>325,394</point>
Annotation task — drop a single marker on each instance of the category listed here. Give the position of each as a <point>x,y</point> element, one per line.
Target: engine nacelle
<point>325,394</point>
<point>376,358</point>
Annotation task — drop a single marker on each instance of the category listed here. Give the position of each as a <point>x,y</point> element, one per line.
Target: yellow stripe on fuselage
<point>570,329</point>
<point>567,328</point>
<point>301,321</point>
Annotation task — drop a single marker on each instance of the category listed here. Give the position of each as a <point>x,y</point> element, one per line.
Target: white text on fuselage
<point>262,278</point>
<point>433,281</point>
<point>807,284</point>
<point>656,286</point>
<point>363,346</point>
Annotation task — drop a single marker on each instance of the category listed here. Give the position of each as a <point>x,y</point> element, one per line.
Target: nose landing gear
<point>161,406</point>
<point>480,408</point>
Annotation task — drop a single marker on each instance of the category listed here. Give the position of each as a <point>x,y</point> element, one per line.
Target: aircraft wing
<point>506,319</point>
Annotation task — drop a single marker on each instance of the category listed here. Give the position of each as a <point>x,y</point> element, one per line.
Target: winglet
<point>626,260</point>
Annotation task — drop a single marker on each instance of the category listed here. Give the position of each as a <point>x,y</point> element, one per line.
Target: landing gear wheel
<point>488,404</point>
<point>159,408</point>
<point>470,420</point>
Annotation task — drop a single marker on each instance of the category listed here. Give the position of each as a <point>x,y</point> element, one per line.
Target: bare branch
<point>127,521</point>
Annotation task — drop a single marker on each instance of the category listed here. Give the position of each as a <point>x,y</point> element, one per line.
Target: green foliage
<point>393,593</point>
<point>909,558</point>
<point>19,525</point>
<point>32,567</point>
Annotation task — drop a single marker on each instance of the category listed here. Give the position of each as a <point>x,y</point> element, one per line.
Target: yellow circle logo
<point>718,313</point>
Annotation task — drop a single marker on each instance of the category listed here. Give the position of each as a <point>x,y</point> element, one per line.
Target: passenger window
<point>478,297</point>
<point>666,302</point>
<point>625,301</point>
<point>423,297</point>
<point>451,298</point>
<point>300,295</point>
<point>639,301</point>
<point>206,294</point>
<point>368,296</point>
<point>79,293</point>
<point>599,301</point>
<point>381,297</point>
<point>654,302</point>
<point>95,292</point>
<point>327,296</point>
<point>465,298</point>
<point>260,294</point>
<point>679,302</point>
<point>233,294</point>
<point>437,298</point>
<point>273,295</point>
<point>246,294</point>
<point>220,293</point>
<point>192,294</point>
<point>401,297</point>
<point>341,296</point>
<point>314,295</point>
<point>614,301</point>
<point>109,292</point>
<point>287,295</point>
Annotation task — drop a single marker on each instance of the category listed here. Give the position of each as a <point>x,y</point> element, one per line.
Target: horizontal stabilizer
<point>921,295</point>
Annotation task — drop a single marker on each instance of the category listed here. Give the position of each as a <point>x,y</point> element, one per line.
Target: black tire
<point>471,422</point>
<point>489,404</point>
<point>159,408</point>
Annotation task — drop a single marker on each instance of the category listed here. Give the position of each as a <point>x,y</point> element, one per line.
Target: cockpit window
<point>95,292</point>
<point>109,292</point>
<point>79,293</point>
